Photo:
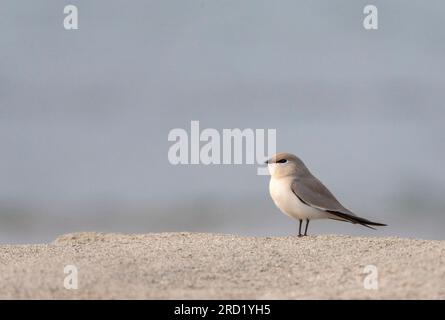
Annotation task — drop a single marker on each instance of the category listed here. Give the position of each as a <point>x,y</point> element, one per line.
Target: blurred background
<point>85,114</point>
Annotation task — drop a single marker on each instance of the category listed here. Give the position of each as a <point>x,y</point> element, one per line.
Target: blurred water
<point>85,114</point>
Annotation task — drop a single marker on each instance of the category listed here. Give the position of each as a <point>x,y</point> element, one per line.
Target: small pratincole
<point>300,195</point>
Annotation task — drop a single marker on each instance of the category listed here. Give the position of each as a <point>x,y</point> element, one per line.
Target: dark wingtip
<point>358,220</point>
<point>369,224</point>
<point>377,224</point>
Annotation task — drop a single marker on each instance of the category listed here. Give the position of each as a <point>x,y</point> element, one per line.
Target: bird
<point>300,195</point>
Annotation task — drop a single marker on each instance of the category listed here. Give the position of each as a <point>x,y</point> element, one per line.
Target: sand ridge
<point>217,266</point>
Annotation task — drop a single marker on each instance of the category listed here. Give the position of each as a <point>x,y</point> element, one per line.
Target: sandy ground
<point>213,266</point>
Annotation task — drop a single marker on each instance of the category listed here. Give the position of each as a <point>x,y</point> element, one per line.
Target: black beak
<point>266,162</point>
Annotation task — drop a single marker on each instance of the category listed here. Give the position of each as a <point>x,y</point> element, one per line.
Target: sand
<point>215,266</point>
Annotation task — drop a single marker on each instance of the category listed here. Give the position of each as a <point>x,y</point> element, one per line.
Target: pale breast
<point>283,197</point>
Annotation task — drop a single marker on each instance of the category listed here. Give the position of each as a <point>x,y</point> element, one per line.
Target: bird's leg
<point>305,229</point>
<point>299,229</point>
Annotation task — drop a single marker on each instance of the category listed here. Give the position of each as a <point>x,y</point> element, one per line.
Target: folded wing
<point>313,193</point>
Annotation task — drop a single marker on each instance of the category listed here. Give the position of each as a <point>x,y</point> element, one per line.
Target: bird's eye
<point>282,161</point>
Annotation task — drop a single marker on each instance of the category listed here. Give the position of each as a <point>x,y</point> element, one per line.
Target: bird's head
<point>285,164</point>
